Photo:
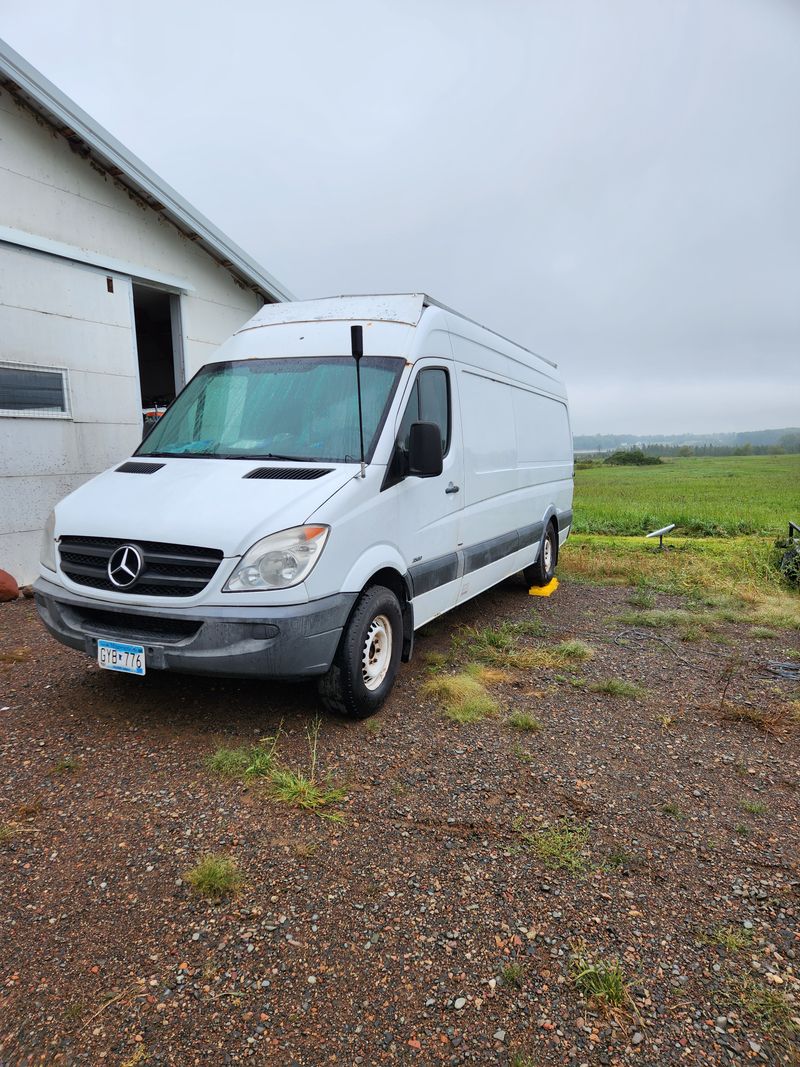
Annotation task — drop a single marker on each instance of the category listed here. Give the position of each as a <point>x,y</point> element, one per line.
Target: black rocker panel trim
<point>565,519</point>
<point>433,573</point>
<point>444,569</point>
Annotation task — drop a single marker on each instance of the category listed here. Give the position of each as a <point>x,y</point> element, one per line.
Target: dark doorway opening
<point>157,318</point>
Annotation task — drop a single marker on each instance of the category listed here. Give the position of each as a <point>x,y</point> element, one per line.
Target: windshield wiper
<point>275,455</point>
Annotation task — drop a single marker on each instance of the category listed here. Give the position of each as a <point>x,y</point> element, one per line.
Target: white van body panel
<point>506,474</point>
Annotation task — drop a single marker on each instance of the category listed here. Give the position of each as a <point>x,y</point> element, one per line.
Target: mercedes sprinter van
<point>345,470</point>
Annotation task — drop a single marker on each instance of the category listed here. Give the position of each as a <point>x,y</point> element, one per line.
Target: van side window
<point>429,402</point>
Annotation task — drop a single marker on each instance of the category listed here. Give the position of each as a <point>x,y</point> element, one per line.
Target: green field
<point>710,496</point>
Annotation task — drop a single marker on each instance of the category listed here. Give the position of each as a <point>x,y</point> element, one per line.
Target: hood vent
<point>139,468</point>
<point>301,474</point>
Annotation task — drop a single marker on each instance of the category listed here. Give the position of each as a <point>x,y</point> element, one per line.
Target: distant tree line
<point>750,443</point>
<point>789,444</point>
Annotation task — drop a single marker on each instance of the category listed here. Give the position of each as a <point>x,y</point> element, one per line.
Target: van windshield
<point>302,408</point>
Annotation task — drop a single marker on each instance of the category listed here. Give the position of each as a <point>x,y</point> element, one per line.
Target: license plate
<point>114,656</point>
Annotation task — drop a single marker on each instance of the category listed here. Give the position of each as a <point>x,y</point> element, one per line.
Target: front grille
<point>169,570</point>
<point>121,624</point>
<point>301,474</point>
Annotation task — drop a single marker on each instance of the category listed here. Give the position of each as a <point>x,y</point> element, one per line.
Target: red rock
<point>9,590</point>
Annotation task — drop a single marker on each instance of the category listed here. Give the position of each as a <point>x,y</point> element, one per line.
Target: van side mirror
<point>424,450</point>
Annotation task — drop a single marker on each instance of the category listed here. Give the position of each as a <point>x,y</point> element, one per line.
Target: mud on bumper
<point>297,641</point>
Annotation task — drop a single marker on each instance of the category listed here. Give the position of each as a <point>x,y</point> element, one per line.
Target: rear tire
<point>368,657</point>
<point>544,569</point>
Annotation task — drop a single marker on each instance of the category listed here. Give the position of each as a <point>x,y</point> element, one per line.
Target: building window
<point>38,392</point>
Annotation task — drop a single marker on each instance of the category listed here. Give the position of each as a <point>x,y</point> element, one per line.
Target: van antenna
<point>357,346</point>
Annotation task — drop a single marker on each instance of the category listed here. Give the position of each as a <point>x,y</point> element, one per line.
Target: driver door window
<point>429,402</point>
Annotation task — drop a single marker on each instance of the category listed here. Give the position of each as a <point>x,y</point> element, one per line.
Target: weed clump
<point>561,846</point>
<point>512,974</point>
<point>770,1008</point>
<point>296,788</point>
<point>754,807</point>
<point>461,696</point>
<point>500,647</point>
<point>521,720</point>
<point>617,687</point>
<point>602,981</point>
<point>731,938</point>
<point>779,720</point>
<point>244,761</point>
<point>215,877</point>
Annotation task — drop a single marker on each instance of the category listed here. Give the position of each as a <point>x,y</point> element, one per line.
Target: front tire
<point>368,657</point>
<point>544,569</point>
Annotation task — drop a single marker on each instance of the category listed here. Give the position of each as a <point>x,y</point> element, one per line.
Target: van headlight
<point>280,560</point>
<point>47,555</point>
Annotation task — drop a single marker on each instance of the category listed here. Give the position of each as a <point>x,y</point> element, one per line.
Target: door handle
<point>452,488</point>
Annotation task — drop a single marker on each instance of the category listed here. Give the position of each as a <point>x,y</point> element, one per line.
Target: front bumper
<point>296,641</point>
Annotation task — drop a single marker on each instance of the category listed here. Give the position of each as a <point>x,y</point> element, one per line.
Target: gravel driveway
<point>427,925</point>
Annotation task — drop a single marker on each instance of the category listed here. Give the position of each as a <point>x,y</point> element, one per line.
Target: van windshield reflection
<point>302,408</point>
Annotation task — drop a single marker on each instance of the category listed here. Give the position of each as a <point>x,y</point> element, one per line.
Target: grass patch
<point>302,790</point>
<point>719,496</point>
<point>522,754</point>
<point>657,619</point>
<point>617,687</point>
<point>501,647</point>
<point>487,675</point>
<point>245,760</point>
<point>754,807</point>
<point>692,623</point>
<point>215,877</point>
<point>761,633</point>
<point>777,721</point>
<point>299,791</point>
<point>601,981</point>
<point>673,809</point>
<point>435,661</point>
<point>735,575</point>
<point>731,938</point>
<point>561,846</point>
<point>461,697</point>
<point>6,832</point>
<point>66,765</point>
<point>373,726</point>
<point>619,859</point>
<point>512,974</point>
<point>574,651</point>
<point>642,598</point>
<point>521,720</point>
<point>768,1007</point>
<point>307,791</point>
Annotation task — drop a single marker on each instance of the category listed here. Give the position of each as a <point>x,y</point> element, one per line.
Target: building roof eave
<point>90,139</point>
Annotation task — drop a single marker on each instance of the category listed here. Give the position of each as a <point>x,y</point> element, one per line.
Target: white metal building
<point>113,291</point>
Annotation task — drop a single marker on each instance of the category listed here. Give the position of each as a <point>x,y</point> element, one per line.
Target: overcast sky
<point>614,183</point>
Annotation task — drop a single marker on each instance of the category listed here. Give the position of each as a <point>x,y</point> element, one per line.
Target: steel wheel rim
<point>377,652</point>
<point>548,554</point>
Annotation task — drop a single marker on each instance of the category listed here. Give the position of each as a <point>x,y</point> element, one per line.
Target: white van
<point>247,538</point>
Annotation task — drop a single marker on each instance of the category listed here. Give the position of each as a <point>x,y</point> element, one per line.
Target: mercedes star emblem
<point>125,566</point>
